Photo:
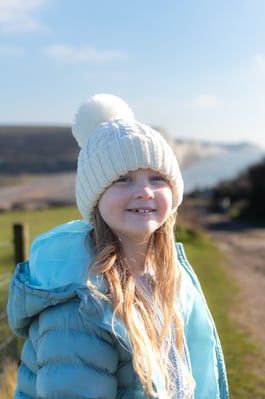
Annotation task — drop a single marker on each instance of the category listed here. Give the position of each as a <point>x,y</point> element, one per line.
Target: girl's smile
<point>143,211</point>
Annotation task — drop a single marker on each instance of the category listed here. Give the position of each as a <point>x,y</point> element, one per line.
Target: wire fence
<point>5,243</point>
<point>4,281</point>
<point>8,341</point>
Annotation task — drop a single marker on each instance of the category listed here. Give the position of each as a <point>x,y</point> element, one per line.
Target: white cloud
<point>20,16</point>
<point>205,101</point>
<point>259,60</point>
<point>84,54</point>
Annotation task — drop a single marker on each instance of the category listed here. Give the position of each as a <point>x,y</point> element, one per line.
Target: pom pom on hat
<point>100,108</point>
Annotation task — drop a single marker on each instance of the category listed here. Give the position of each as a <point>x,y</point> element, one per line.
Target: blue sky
<point>194,67</point>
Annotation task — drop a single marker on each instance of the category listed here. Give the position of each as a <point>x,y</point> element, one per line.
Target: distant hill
<point>37,149</point>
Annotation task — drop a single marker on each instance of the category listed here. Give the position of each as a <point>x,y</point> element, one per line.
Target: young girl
<point>109,305</point>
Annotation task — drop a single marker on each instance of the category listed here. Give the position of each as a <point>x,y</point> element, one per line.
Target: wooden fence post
<point>21,241</point>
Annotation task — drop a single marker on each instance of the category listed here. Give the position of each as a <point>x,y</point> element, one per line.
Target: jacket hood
<point>26,301</point>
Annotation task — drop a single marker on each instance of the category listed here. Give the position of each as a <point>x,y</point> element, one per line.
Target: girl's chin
<point>137,235</point>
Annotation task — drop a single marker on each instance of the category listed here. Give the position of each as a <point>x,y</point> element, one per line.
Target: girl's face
<point>137,204</point>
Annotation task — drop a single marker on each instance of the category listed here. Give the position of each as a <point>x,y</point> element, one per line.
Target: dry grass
<point>8,380</point>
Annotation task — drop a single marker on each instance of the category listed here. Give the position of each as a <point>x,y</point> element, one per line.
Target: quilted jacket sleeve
<point>64,356</point>
<point>75,360</point>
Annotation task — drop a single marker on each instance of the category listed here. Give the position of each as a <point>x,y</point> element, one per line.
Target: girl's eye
<point>123,179</point>
<point>158,178</point>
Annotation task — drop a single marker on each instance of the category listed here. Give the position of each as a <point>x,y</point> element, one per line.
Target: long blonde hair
<point>148,343</point>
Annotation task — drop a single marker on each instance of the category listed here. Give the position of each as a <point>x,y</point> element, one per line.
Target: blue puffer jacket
<point>70,350</point>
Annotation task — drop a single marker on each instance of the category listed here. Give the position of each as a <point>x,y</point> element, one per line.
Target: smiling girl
<point>109,305</point>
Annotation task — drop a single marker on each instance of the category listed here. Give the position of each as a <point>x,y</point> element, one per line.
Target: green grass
<point>241,354</point>
<point>38,222</point>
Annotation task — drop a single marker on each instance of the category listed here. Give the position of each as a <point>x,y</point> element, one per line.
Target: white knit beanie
<point>113,143</point>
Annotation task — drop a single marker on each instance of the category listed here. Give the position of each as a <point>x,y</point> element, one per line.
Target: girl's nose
<point>144,192</point>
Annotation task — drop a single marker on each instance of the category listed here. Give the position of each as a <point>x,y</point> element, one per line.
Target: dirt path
<point>244,248</point>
